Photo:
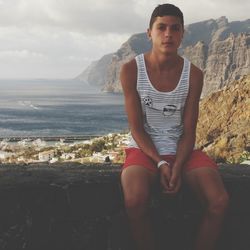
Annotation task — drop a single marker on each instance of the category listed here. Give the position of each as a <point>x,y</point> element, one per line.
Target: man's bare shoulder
<point>195,82</point>
<point>196,74</point>
<point>128,75</point>
<point>130,65</point>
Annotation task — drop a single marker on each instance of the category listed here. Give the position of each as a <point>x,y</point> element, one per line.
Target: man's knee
<point>218,205</point>
<point>137,204</point>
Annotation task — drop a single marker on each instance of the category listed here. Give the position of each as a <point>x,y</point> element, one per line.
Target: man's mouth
<point>167,43</point>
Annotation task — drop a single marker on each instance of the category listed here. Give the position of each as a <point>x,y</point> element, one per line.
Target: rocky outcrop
<point>96,72</point>
<point>135,45</point>
<point>220,48</point>
<point>197,54</point>
<point>123,55</point>
<point>223,130</point>
<point>106,71</point>
<point>222,60</point>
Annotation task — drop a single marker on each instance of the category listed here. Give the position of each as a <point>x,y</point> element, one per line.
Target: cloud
<point>51,53</point>
<point>110,16</point>
<point>20,55</point>
<point>59,38</point>
<point>196,11</point>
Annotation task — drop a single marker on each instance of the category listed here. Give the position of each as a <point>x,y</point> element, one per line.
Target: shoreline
<point>66,138</point>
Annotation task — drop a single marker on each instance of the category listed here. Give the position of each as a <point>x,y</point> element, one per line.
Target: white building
<point>46,155</point>
<point>4,155</point>
<point>68,156</point>
<point>39,143</point>
<point>53,160</point>
<point>24,143</point>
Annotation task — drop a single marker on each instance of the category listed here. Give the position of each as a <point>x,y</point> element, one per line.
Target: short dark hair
<point>166,10</point>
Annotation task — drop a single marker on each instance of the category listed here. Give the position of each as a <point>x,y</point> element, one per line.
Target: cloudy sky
<point>59,38</point>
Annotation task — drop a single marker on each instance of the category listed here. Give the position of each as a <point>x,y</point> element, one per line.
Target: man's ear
<point>149,34</point>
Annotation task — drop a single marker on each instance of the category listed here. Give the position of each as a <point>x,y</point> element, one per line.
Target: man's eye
<point>161,27</point>
<point>175,27</point>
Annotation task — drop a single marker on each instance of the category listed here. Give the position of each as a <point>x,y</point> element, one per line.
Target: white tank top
<point>162,111</point>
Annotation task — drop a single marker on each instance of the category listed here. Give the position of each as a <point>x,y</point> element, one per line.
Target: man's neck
<point>163,61</point>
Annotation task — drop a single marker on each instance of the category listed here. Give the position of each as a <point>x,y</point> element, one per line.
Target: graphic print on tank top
<point>168,112</point>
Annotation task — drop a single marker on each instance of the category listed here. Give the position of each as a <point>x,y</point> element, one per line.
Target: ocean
<point>61,108</point>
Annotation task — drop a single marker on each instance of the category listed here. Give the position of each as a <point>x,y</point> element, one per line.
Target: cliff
<point>218,47</point>
<point>222,60</point>
<point>96,72</point>
<point>105,72</point>
<point>223,129</point>
<point>137,44</point>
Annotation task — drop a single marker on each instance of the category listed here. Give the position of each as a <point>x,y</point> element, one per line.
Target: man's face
<point>166,34</point>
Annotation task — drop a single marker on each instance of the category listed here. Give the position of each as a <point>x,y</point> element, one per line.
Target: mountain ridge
<point>220,48</point>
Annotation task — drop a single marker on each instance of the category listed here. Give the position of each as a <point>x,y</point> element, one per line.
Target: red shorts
<point>198,159</point>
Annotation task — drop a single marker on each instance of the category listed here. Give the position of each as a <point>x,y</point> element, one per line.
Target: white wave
<point>39,143</point>
<point>27,104</point>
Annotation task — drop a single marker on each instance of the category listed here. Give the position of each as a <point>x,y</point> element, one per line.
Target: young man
<point>162,92</point>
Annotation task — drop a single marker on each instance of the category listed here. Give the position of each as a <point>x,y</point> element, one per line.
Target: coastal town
<point>108,148</point>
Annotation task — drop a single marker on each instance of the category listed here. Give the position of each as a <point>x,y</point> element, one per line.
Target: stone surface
<point>74,206</point>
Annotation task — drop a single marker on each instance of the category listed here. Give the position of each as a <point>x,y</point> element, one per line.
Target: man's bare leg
<point>208,186</point>
<point>136,183</point>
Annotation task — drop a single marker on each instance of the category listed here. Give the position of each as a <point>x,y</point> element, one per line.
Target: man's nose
<point>168,31</point>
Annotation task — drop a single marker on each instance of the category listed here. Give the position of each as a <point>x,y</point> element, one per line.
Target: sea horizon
<point>58,108</point>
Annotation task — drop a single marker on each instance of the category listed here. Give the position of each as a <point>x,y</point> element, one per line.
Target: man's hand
<point>175,181</point>
<point>165,176</point>
<point>170,179</point>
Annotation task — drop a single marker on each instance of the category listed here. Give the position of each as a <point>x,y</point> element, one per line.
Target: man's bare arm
<point>190,118</point>
<point>187,140</point>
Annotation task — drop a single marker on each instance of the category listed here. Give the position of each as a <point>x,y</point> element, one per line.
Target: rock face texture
<point>222,61</point>
<point>223,129</point>
<point>136,45</point>
<point>220,48</point>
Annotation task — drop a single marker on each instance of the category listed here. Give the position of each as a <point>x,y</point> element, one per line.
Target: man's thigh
<point>137,180</point>
<point>206,182</point>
